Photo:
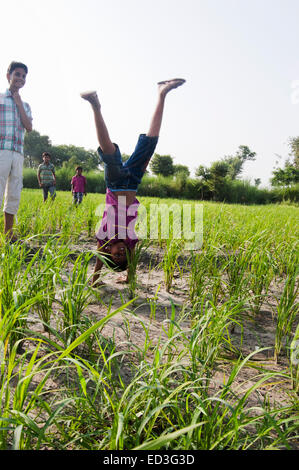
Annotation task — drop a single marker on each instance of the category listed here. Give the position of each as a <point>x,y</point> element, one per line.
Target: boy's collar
<point>8,92</point>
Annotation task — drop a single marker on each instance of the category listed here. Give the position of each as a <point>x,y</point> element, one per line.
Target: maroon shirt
<point>118,222</point>
<point>79,183</point>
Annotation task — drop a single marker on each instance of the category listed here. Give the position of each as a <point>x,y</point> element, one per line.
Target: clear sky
<point>239,57</point>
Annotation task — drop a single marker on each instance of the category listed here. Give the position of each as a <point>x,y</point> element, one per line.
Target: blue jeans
<point>127,176</point>
<point>78,198</point>
<point>51,190</point>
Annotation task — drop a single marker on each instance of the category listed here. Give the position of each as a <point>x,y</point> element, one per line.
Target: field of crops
<point>198,352</point>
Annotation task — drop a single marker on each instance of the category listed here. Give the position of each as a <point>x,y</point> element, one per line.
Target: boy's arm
<point>53,171</point>
<point>38,178</point>
<point>130,269</point>
<point>97,269</point>
<point>26,120</point>
<point>85,185</point>
<point>126,278</point>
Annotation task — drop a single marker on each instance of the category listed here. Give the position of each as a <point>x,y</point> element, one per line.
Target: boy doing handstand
<point>116,237</point>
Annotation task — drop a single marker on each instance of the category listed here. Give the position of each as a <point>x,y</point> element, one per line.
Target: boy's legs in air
<point>104,140</point>
<point>109,148</point>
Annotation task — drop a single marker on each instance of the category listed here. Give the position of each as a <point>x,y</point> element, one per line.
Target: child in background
<point>78,185</point>
<point>46,177</point>
<point>116,236</point>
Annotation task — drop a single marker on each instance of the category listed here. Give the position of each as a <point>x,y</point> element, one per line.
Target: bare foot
<point>167,85</point>
<point>91,97</point>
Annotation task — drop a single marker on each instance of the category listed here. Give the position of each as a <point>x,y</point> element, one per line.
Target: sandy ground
<point>258,330</point>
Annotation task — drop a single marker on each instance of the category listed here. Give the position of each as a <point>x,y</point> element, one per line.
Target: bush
<point>242,192</point>
<point>180,187</point>
<point>95,180</point>
<point>290,194</point>
<point>30,178</point>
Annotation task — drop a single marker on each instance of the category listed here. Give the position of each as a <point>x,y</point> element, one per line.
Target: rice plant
<point>99,373</point>
<point>294,360</point>
<point>170,261</point>
<point>133,261</point>
<point>287,312</point>
<point>74,295</point>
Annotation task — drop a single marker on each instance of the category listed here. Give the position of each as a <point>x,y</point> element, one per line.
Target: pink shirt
<point>118,221</point>
<point>79,183</point>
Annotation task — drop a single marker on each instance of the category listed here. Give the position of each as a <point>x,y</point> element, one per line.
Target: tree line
<point>62,156</point>
<point>213,180</point>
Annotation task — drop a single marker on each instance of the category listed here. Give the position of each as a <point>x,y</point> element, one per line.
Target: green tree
<point>162,165</point>
<point>285,176</point>
<point>289,174</point>
<point>71,156</point>
<point>294,146</point>
<point>60,155</point>
<point>203,172</point>
<point>237,161</point>
<point>34,145</point>
<point>228,168</point>
<point>181,169</point>
<point>218,173</point>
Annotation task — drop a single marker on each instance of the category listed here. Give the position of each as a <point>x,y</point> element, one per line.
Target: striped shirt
<point>46,173</point>
<point>12,130</point>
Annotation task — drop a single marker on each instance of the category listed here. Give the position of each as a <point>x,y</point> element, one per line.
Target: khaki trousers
<point>11,180</point>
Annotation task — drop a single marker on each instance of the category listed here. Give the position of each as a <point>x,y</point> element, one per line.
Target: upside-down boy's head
<point>118,254</point>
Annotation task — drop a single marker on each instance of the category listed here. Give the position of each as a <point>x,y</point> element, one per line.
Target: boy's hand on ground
<point>97,283</point>
<point>122,280</point>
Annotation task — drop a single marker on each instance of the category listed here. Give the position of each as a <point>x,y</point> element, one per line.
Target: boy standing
<point>15,119</point>
<point>116,236</point>
<point>46,177</point>
<point>78,185</point>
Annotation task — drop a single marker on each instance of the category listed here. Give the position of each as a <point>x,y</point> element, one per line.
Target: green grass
<point>66,384</point>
